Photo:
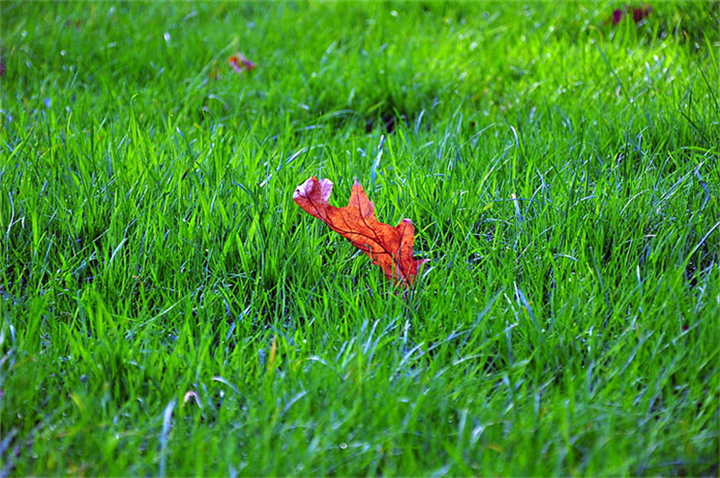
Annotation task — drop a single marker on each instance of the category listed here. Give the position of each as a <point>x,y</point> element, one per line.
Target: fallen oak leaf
<point>389,247</point>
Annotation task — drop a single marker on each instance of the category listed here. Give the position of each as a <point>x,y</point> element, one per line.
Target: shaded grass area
<point>166,308</point>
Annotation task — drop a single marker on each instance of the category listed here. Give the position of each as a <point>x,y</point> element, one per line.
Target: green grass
<point>563,176</point>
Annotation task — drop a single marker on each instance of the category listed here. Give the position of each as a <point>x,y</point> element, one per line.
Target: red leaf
<point>641,12</point>
<point>389,247</point>
<point>238,62</point>
<point>638,13</point>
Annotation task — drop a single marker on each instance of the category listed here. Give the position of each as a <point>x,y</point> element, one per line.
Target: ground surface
<point>167,310</point>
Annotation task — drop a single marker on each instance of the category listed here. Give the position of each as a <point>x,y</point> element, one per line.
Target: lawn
<point>166,309</point>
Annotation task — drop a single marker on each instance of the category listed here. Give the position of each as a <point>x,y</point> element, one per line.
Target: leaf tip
<point>314,188</point>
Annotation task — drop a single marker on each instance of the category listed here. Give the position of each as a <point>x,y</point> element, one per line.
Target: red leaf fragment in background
<point>617,16</point>
<point>638,14</point>
<point>642,12</point>
<point>389,247</point>
<point>239,63</point>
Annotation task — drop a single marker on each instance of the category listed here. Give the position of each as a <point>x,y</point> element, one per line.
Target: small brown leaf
<point>389,247</point>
